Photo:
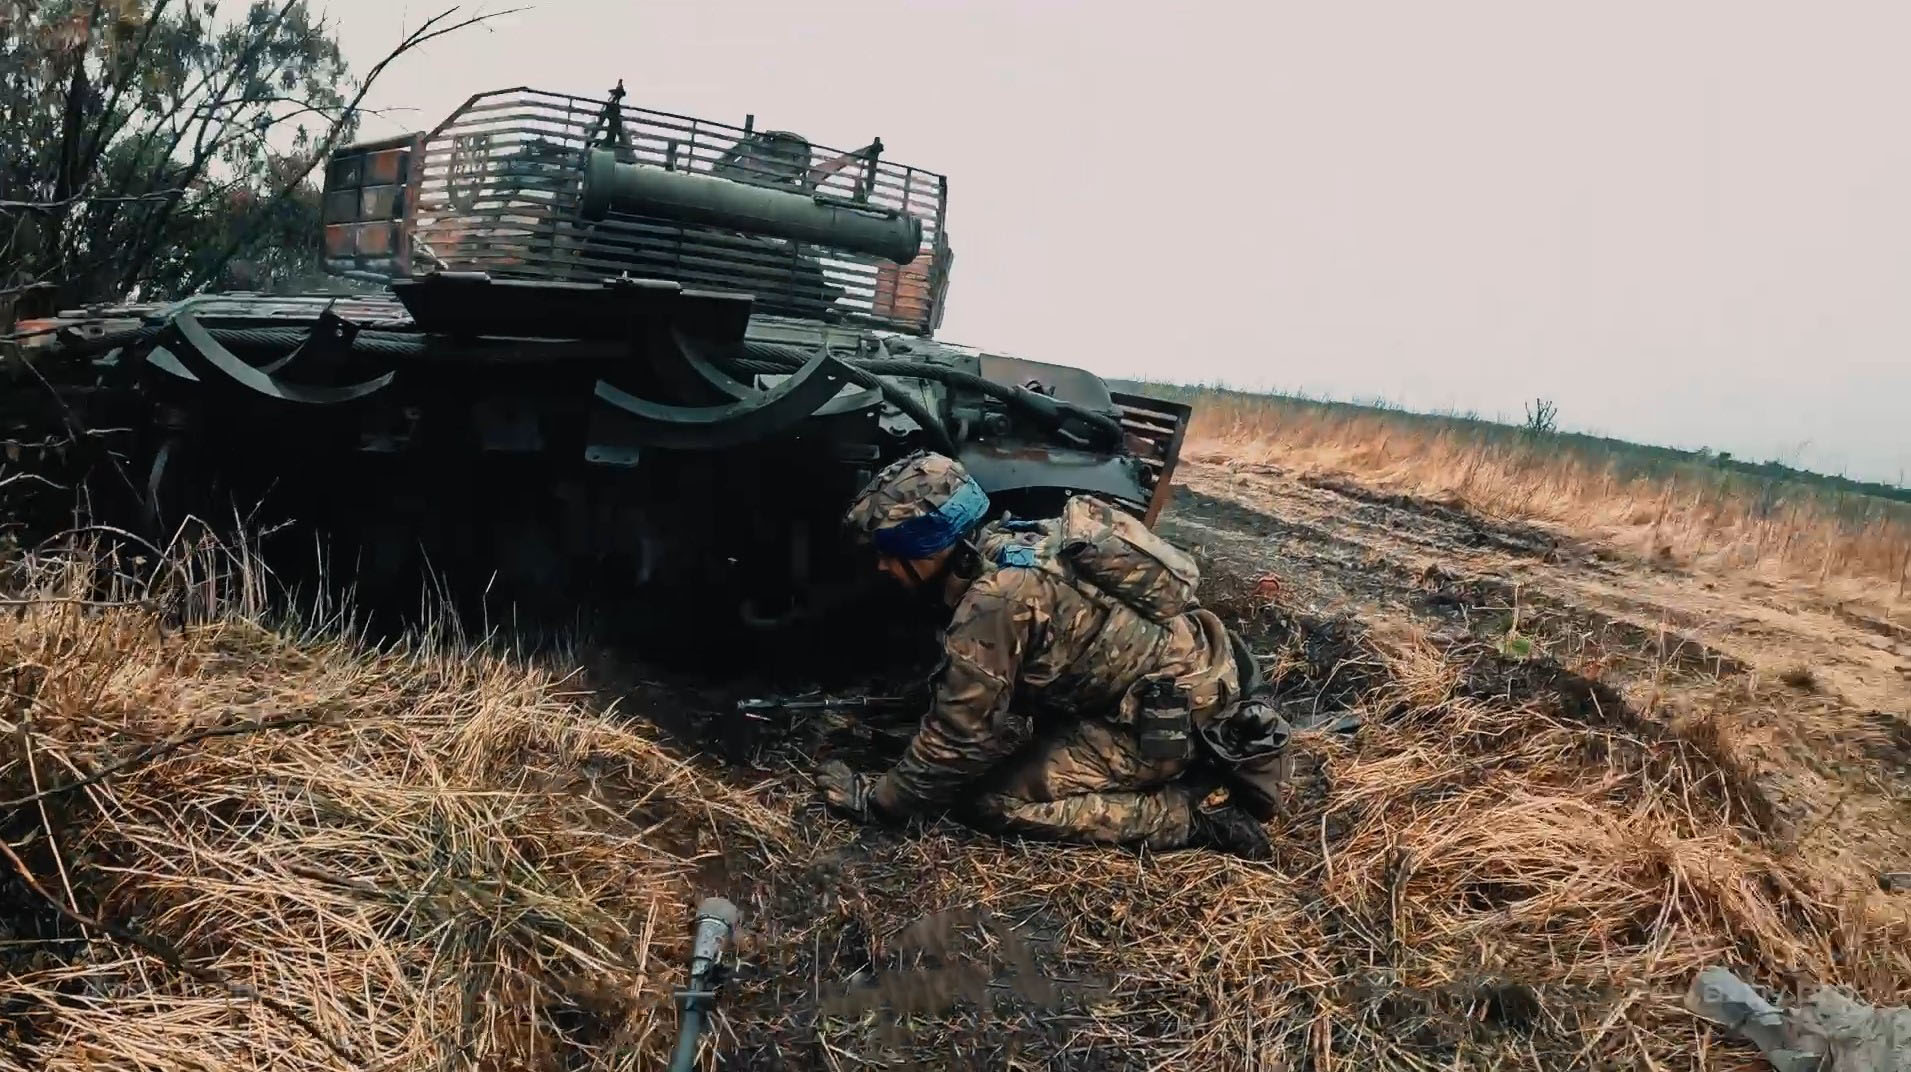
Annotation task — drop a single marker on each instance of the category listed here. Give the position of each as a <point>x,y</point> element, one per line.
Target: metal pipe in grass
<point>716,921</point>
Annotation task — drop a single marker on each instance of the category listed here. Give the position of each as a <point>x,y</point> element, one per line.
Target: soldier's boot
<point>1231,830</point>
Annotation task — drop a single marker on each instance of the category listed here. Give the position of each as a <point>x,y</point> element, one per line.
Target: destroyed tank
<point>598,353</point>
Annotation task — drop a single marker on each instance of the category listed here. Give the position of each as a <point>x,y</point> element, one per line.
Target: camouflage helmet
<point>917,506</point>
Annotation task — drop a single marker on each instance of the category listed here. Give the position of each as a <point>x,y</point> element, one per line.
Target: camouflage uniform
<point>1030,729</point>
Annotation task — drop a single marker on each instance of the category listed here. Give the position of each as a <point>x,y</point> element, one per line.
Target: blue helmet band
<point>920,537</point>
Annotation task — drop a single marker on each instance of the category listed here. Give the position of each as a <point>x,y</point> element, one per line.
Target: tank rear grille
<point>1155,428</point>
<point>496,188</point>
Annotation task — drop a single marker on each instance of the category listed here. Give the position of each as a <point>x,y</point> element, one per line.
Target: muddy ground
<point>1668,638</point>
<point>1814,697</point>
<point>1579,775</point>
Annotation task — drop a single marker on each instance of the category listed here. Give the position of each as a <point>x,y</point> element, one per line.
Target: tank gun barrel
<point>688,197</point>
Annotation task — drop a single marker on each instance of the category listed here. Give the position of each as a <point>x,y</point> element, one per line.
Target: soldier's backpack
<point>1116,554</point>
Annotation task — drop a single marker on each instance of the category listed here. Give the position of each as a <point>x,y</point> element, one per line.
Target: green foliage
<point>152,146</point>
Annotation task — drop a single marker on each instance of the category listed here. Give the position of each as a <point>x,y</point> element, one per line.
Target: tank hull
<point>676,454</point>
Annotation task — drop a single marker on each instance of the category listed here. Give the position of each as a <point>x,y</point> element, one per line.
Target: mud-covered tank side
<point>659,448</point>
<point>560,432</point>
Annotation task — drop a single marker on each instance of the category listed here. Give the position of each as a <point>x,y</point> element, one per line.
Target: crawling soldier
<point>1061,710</point>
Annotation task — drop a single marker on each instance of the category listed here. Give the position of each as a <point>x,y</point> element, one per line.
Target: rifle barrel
<point>829,703</point>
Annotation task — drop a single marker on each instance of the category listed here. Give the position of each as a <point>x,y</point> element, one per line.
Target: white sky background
<point>1686,222</point>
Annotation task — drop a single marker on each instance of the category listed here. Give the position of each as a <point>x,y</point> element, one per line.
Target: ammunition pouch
<point>1248,746</point>
<point>1164,720</point>
<point>1249,750</point>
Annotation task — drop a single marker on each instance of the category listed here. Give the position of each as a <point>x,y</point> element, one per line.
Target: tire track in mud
<point>1329,568</point>
<point>1461,527</point>
<point>1746,620</point>
<point>1745,617</point>
<point>1677,645</point>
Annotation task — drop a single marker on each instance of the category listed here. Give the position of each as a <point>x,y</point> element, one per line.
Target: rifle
<point>756,708</point>
<point>716,920</point>
<point>760,708</point>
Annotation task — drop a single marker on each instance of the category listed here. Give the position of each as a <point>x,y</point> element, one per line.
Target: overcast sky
<point>1685,222</point>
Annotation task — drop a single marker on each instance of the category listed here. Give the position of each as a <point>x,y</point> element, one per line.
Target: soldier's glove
<point>848,791</point>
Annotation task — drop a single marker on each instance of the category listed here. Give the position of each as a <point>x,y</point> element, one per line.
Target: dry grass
<point>458,861</point>
<point>1471,884</point>
<point>1692,519</point>
<point>422,854</point>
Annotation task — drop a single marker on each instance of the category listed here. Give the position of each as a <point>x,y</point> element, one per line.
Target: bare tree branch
<point>179,102</point>
<point>153,227</point>
<point>121,77</point>
<point>32,478</point>
<point>83,196</point>
<point>156,153</point>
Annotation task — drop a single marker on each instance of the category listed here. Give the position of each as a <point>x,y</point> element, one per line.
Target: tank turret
<point>689,197</point>
<point>517,184</point>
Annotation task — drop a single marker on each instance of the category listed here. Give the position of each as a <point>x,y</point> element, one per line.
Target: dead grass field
<point>1853,551</point>
<point>437,857</point>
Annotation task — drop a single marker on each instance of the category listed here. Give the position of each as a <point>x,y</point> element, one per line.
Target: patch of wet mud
<point>1470,530</point>
<point>1644,609</point>
<point>850,962</point>
<point>1326,568</point>
<point>1241,521</point>
<point>1322,568</point>
<point>1492,608</point>
<point>1449,526</point>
